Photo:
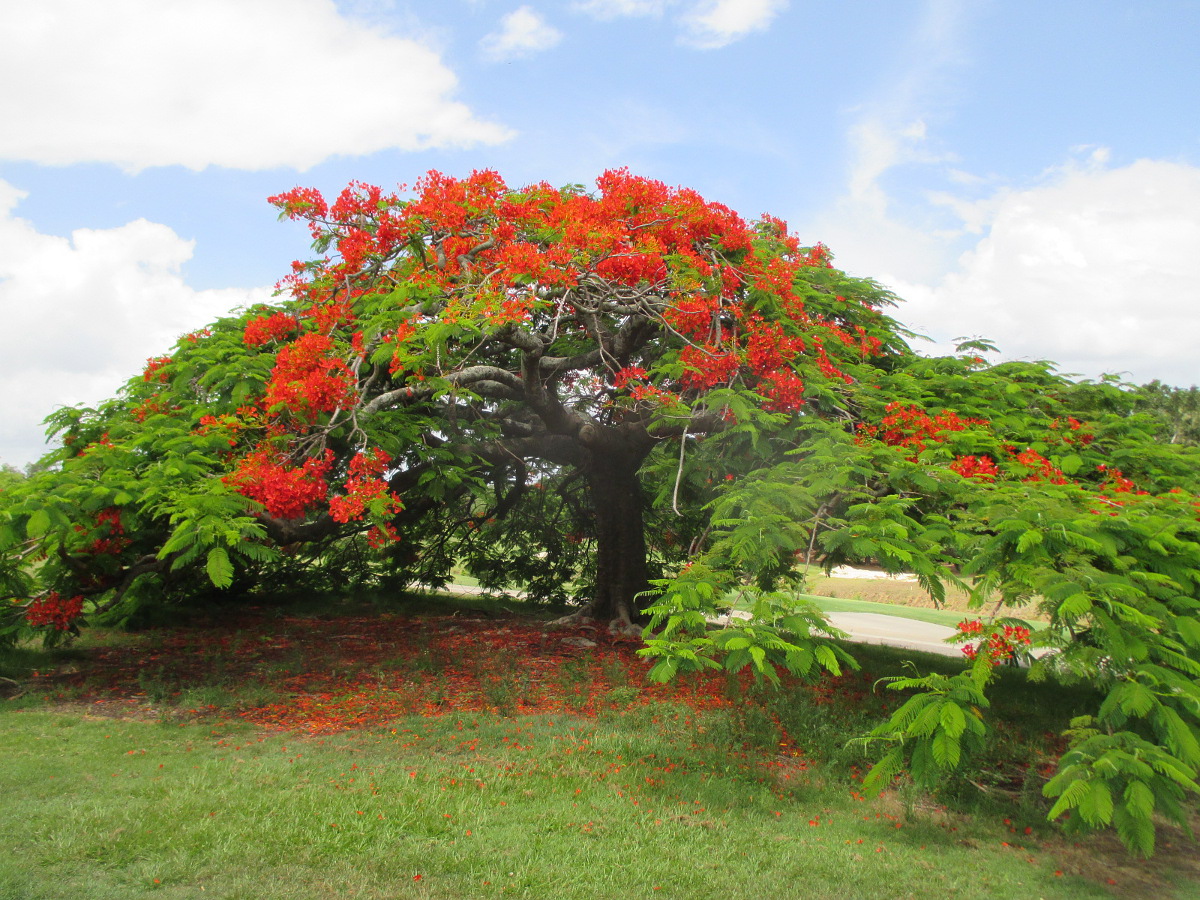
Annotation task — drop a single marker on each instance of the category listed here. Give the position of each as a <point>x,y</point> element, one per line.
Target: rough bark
<point>611,470</point>
<point>621,571</point>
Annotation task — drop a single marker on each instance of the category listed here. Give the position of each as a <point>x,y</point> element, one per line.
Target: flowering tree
<point>449,355</point>
<point>636,391</point>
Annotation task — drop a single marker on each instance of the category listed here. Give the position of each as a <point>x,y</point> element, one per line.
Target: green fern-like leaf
<point>219,567</point>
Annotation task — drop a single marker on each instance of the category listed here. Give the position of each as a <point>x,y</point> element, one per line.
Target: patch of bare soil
<point>132,709</point>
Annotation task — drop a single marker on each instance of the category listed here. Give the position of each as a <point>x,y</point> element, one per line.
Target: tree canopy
<point>636,400</point>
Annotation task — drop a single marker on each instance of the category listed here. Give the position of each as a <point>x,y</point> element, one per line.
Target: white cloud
<point>249,84</point>
<point>1092,266</point>
<point>705,24</point>
<point>863,228</point>
<point>1096,269</point>
<point>82,315</point>
<point>716,23</point>
<point>615,9</point>
<point>522,33</point>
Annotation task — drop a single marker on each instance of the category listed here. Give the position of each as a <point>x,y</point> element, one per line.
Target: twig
<point>679,471</point>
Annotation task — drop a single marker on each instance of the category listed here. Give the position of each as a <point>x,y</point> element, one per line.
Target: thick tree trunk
<point>620,568</point>
<point>621,572</point>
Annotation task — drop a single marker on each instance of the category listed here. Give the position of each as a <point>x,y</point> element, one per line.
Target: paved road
<point>895,631</point>
<point>910,634</point>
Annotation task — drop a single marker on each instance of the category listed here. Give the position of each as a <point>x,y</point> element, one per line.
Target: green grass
<point>650,804</point>
<point>137,796</point>
<point>837,604</point>
<point>935,616</point>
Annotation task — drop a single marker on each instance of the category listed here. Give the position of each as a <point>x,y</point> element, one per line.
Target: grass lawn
<point>414,753</point>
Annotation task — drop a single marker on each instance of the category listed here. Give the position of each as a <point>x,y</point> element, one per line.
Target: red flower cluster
<point>1073,431</point>
<point>630,373</point>
<point>154,369</point>
<point>998,645</point>
<point>287,492</point>
<point>653,394</point>
<point>307,380</point>
<point>52,609</point>
<point>907,425</point>
<point>768,348</point>
<point>265,329</point>
<point>1115,481</point>
<point>112,539</point>
<point>362,487</point>
<point>301,201</point>
<point>692,316</point>
<point>403,333</point>
<point>359,494</point>
<point>704,368</point>
<point>634,270</point>
<point>970,626</point>
<point>154,406</point>
<point>373,464</point>
<point>1041,468</point>
<point>382,535</point>
<point>981,468</point>
<point>784,391</point>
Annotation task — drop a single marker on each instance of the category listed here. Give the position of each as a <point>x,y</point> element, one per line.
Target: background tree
<point>9,476</point>
<point>1178,409</point>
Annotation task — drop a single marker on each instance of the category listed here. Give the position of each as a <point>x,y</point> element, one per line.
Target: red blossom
<point>307,380</point>
<point>51,609</point>
<point>1115,481</point>
<point>784,391</point>
<point>266,329</point>
<point>630,373</point>
<point>154,369</point>
<point>909,426</point>
<point>287,492</point>
<point>382,535</point>
<point>1040,467</point>
<point>706,367</point>
<point>996,645</point>
<point>364,486</point>
<point>979,468</point>
<point>108,534</point>
<point>301,202</point>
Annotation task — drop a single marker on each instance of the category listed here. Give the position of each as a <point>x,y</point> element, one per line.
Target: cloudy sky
<point>1023,171</point>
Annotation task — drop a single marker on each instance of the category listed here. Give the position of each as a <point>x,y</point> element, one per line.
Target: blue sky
<point>1027,172</point>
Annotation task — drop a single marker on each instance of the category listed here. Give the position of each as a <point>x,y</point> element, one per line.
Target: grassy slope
<point>936,616</point>
<point>905,597</point>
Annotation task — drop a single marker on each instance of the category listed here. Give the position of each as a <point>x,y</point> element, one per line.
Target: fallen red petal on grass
<point>360,672</point>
